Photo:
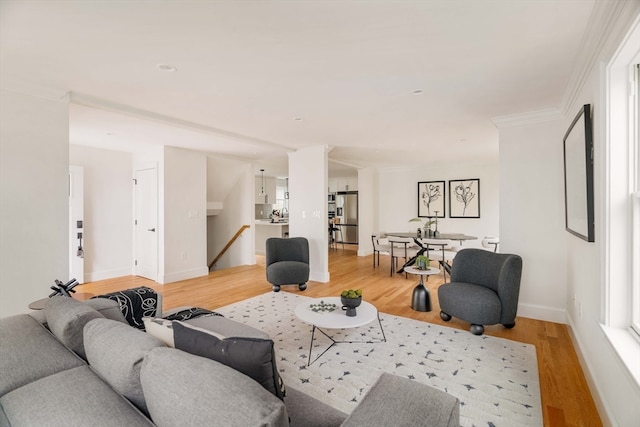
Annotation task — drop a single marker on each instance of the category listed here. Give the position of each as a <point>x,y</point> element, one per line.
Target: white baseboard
<point>94,276</point>
<point>364,252</point>
<point>603,409</point>
<point>542,312</point>
<point>183,275</point>
<point>319,276</point>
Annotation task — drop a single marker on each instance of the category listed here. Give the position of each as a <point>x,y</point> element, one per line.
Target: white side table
<point>337,319</point>
<point>421,300</point>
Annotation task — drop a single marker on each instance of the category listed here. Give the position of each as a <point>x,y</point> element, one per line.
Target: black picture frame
<point>464,198</point>
<point>578,176</point>
<point>431,199</point>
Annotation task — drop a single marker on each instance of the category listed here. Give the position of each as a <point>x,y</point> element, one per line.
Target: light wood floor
<point>566,399</point>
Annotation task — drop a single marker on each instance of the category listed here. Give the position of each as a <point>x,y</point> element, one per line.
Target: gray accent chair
<point>287,262</point>
<point>483,290</point>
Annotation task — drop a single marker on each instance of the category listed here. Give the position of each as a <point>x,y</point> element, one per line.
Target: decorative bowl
<point>350,304</point>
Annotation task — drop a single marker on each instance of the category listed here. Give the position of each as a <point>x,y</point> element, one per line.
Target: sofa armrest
<point>396,401</point>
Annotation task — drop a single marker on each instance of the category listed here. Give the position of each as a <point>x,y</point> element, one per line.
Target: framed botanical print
<point>431,196</point>
<point>464,198</point>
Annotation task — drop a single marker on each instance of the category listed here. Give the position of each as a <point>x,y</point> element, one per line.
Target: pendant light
<point>286,193</point>
<point>262,188</point>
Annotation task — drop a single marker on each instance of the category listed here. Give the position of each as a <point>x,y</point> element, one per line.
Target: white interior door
<point>76,224</point>
<point>146,223</point>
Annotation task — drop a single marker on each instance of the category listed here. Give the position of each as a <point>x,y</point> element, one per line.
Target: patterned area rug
<point>495,379</point>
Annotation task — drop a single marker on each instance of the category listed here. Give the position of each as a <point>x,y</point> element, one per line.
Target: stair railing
<point>228,245</point>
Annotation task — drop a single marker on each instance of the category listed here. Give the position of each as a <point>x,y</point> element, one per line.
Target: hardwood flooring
<point>566,399</point>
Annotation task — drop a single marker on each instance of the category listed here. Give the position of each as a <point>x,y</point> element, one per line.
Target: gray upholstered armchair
<point>287,262</point>
<point>483,290</point>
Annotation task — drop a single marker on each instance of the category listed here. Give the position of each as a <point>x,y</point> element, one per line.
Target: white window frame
<point>634,110</point>
<point>620,206</point>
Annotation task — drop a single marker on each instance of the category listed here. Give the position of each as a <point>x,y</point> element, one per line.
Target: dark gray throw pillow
<point>254,357</point>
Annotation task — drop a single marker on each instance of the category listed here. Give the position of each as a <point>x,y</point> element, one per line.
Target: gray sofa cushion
<point>306,411</point>
<point>28,351</point>
<point>76,397</point>
<point>115,351</point>
<point>400,402</point>
<point>183,389</point>
<point>66,318</point>
<point>254,357</point>
<point>108,308</point>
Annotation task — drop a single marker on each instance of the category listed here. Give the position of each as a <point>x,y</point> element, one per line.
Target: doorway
<point>76,223</point>
<point>146,223</point>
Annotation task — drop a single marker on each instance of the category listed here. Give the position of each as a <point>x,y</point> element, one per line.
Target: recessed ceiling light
<point>417,92</point>
<point>166,67</point>
<point>298,119</point>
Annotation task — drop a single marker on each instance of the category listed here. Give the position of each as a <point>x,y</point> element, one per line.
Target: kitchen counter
<point>268,222</point>
<point>265,229</point>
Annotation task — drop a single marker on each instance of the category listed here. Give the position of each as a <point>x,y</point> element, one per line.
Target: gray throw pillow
<point>254,357</point>
<point>66,318</point>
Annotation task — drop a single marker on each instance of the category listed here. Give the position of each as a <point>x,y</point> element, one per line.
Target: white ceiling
<point>256,79</point>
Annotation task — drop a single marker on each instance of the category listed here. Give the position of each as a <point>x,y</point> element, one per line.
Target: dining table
<point>424,247</point>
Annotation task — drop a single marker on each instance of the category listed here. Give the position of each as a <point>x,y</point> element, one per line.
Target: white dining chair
<point>380,246</point>
<point>491,242</point>
<point>441,250</point>
<point>402,247</point>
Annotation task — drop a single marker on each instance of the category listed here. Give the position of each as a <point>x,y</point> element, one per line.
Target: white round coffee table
<point>421,300</point>
<point>336,319</point>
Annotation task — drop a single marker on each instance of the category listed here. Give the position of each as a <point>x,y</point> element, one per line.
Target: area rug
<point>496,380</point>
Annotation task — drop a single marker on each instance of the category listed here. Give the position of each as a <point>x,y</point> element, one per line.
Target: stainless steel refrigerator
<point>347,212</point>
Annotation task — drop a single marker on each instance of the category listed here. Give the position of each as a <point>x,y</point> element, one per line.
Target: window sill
<point>627,347</point>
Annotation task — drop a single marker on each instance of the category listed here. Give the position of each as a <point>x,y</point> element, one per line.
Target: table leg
<point>334,342</point>
<point>421,299</point>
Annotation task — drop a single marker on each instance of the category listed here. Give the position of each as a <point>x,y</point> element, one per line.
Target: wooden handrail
<point>228,245</point>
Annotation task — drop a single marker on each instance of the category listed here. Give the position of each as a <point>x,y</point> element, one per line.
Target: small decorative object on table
<point>427,226</point>
<point>322,307</point>
<point>350,300</point>
<point>422,262</point>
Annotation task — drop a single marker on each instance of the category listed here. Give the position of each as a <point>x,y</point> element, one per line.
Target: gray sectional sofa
<point>81,364</point>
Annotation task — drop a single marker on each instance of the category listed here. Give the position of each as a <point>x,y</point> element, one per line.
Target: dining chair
<point>334,229</point>
<point>442,251</point>
<point>490,242</point>
<point>402,247</point>
<point>380,245</point>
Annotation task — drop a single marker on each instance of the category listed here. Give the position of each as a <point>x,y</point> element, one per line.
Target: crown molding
<point>608,22</point>
<point>15,84</point>
<point>529,118</point>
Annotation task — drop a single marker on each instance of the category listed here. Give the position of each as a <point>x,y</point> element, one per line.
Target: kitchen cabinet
<point>269,190</point>
<point>349,183</point>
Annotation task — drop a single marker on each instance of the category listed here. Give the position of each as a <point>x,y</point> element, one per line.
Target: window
<point>620,228</point>
<point>635,198</point>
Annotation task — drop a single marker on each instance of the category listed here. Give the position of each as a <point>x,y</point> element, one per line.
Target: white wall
<point>616,393</point>
<point>397,199</point>
<point>34,168</point>
<point>185,210</point>
<point>237,211</point>
<point>366,209</point>
<point>308,206</point>
<point>532,213</point>
<point>108,211</point>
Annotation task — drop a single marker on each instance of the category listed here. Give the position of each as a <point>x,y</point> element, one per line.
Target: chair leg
<point>444,316</point>
<point>476,329</point>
